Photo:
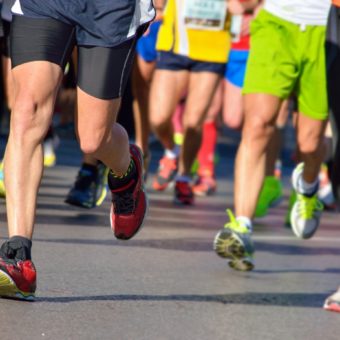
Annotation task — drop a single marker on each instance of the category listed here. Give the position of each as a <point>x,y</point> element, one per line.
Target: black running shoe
<point>89,189</point>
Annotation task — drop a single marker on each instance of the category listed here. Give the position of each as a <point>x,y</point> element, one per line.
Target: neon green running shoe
<point>270,196</point>
<point>234,243</point>
<point>306,211</point>
<point>2,184</point>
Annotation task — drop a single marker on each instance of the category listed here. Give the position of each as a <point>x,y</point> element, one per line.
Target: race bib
<point>205,14</point>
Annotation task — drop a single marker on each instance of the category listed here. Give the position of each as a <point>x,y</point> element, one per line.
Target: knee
<point>29,119</point>
<point>256,128</point>
<point>234,123</point>
<point>233,119</point>
<point>159,122</point>
<point>90,145</point>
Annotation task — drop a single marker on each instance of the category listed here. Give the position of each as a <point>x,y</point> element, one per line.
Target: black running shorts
<point>102,71</point>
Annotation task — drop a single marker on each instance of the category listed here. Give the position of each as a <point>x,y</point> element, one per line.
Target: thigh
<point>167,88</point>
<point>103,72</point>
<point>232,105</point>
<point>202,86</point>
<point>143,69</point>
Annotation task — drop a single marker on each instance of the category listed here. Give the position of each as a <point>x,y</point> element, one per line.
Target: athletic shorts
<point>97,22</point>
<point>286,58</point>
<point>236,67</point>
<point>146,46</point>
<point>102,71</point>
<point>6,25</point>
<point>176,62</point>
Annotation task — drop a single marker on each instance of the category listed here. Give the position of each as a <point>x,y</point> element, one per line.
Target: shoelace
<point>308,205</point>
<point>123,203</point>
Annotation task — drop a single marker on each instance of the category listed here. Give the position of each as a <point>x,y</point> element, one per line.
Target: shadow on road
<point>198,244</point>
<point>261,299</point>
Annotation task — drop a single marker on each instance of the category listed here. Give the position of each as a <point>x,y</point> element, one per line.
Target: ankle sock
<point>17,248</point>
<point>308,189</point>
<point>116,182</point>
<point>245,221</point>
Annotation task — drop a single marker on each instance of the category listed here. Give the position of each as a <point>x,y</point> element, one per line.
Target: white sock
<point>245,221</point>
<point>172,153</point>
<point>307,188</point>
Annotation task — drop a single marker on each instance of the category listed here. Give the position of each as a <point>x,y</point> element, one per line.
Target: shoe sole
<point>228,245</point>
<point>8,289</point>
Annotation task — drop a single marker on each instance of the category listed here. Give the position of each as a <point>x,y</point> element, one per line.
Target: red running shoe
<point>17,278</point>
<point>129,203</point>
<point>166,173</point>
<point>183,193</point>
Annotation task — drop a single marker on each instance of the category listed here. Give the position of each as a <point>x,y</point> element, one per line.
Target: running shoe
<point>306,211</point>
<point>166,173</point>
<point>17,277</point>
<point>332,303</point>
<point>129,203</point>
<point>2,184</point>
<point>234,243</point>
<point>270,195</point>
<point>205,185</point>
<point>89,189</point>
<point>183,193</point>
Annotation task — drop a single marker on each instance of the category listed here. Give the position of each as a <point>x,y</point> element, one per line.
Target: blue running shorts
<point>236,67</point>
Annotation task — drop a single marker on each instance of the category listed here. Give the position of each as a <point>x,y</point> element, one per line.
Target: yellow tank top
<point>198,29</point>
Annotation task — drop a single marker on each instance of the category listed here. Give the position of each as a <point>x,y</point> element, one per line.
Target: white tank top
<point>302,12</point>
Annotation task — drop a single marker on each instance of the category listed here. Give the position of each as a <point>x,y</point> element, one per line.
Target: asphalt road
<point>167,283</point>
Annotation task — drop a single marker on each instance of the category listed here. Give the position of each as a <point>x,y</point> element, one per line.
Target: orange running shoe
<point>166,173</point>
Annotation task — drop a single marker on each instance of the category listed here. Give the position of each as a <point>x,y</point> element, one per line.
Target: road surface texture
<point>167,283</point>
